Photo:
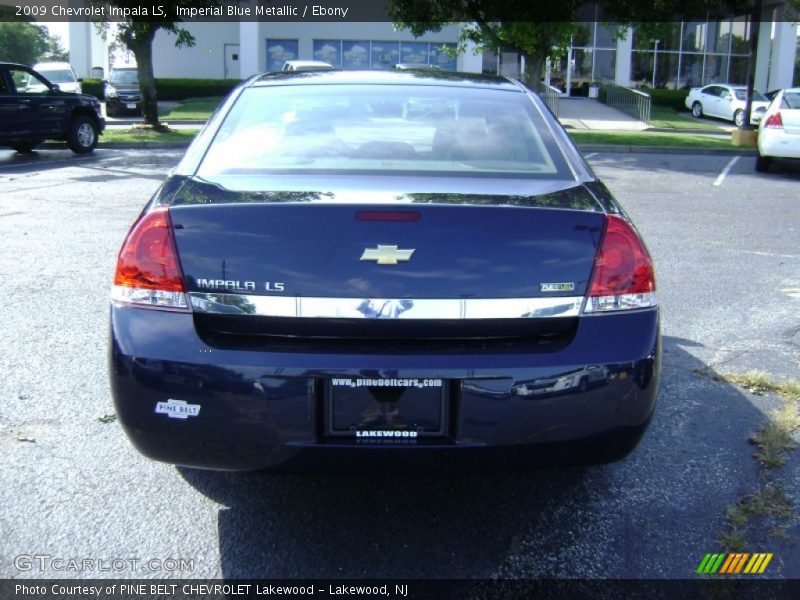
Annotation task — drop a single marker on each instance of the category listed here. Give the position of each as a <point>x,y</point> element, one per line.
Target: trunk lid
<point>459,248</point>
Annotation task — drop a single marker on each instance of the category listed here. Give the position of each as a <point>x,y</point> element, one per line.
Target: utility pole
<point>755,25</point>
<point>655,61</point>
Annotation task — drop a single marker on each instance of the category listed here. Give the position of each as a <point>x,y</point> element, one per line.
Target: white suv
<point>60,73</point>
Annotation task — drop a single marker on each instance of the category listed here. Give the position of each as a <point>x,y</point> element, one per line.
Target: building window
<point>385,55</point>
<point>355,55</point>
<point>329,51</point>
<point>414,53</point>
<point>364,54</point>
<point>441,55</point>
<point>279,51</point>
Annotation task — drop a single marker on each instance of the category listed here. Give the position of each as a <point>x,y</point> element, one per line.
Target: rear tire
<point>697,110</point>
<point>83,135</point>
<point>24,147</point>
<point>738,118</point>
<point>763,164</point>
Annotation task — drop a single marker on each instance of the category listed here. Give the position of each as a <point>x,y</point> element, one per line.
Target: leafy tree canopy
<point>137,34</point>
<point>26,43</point>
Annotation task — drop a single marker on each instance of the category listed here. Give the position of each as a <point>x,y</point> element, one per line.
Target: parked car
<point>779,131</point>
<point>725,101</point>
<point>373,285</point>
<point>122,91</point>
<point>32,110</point>
<point>306,65</point>
<point>416,67</point>
<point>60,73</point>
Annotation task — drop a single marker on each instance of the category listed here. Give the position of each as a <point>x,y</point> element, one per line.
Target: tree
<point>550,28</point>
<point>22,42</point>
<point>55,51</point>
<point>137,33</point>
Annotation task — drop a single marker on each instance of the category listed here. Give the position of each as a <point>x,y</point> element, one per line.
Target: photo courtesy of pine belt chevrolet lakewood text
<point>383,270</point>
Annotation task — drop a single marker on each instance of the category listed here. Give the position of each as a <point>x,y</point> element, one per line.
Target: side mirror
<point>80,79</point>
<point>56,88</point>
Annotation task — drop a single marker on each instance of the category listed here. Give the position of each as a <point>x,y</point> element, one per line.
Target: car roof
<point>4,63</point>
<point>308,62</point>
<point>54,64</point>
<point>393,77</point>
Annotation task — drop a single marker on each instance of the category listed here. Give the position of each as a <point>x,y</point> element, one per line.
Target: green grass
<point>665,117</point>
<point>769,501</point>
<point>649,138</point>
<point>192,109</point>
<point>147,135</point>
<point>626,138</point>
<point>775,444</point>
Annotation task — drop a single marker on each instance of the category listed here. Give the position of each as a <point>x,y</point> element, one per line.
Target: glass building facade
<point>674,55</point>
<point>690,54</point>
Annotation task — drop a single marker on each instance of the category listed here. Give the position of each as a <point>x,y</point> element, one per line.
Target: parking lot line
<point>721,177</point>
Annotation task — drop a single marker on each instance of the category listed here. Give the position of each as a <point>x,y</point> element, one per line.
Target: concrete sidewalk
<point>586,114</point>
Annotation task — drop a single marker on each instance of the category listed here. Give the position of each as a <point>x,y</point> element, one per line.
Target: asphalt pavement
<point>726,242</point>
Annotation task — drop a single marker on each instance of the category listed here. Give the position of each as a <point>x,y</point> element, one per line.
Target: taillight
<point>775,121</point>
<point>148,271</point>
<point>623,275</point>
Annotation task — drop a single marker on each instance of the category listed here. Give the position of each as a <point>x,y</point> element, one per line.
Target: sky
<point>60,29</point>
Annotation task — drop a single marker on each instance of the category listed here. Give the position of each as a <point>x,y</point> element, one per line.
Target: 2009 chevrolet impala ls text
<point>391,270</point>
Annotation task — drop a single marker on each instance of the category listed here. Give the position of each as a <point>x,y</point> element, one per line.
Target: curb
<point>610,148</point>
<point>621,148</point>
<point>123,145</point>
<point>720,133</point>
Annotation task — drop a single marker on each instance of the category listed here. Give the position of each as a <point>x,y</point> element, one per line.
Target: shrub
<point>181,89</point>
<point>93,87</point>
<point>668,98</point>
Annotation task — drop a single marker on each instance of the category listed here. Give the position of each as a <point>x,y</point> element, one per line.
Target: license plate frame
<point>429,422</point>
<point>130,106</point>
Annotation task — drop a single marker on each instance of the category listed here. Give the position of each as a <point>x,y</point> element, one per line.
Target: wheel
<point>763,163</point>
<point>24,147</point>
<point>697,110</point>
<point>738,118</point>
<point>83,134</point>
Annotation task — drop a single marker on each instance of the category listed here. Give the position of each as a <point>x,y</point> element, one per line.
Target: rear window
<point>59,76</point>
<point>124,77</point>
<point>791,100</point>
<point>757,96</point>
<point>383,128</point>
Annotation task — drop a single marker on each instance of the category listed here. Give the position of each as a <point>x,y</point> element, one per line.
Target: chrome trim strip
<point>379,308</point>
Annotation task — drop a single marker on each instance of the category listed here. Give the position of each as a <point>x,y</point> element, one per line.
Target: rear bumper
<point>121,105</point>
<point>263,409</point>
<point>777,143</point>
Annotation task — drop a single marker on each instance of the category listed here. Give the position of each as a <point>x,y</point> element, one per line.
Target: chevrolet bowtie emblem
<point>386,255</point>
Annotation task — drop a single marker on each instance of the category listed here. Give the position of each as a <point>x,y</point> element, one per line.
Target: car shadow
<point>122,166</point>
<point>655,514</point>
<point>690,164</point>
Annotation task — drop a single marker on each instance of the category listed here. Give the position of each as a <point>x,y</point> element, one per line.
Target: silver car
<point>725,101</point>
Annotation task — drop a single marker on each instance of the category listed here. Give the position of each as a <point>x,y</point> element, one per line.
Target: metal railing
<point>633,102</point>
<point>549,96</point>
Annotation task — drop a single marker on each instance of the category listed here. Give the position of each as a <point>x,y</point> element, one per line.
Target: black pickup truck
<point>33,110</point>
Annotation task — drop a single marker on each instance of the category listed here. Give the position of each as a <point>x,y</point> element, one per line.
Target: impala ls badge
<point>387,255</point>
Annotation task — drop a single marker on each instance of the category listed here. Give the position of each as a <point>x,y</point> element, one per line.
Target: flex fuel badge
<point>177,409</point>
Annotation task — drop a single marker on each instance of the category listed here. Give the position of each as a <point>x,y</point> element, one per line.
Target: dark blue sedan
<point>383,269</point>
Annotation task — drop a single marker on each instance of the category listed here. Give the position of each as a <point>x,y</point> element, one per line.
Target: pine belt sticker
<point>177,409</point>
